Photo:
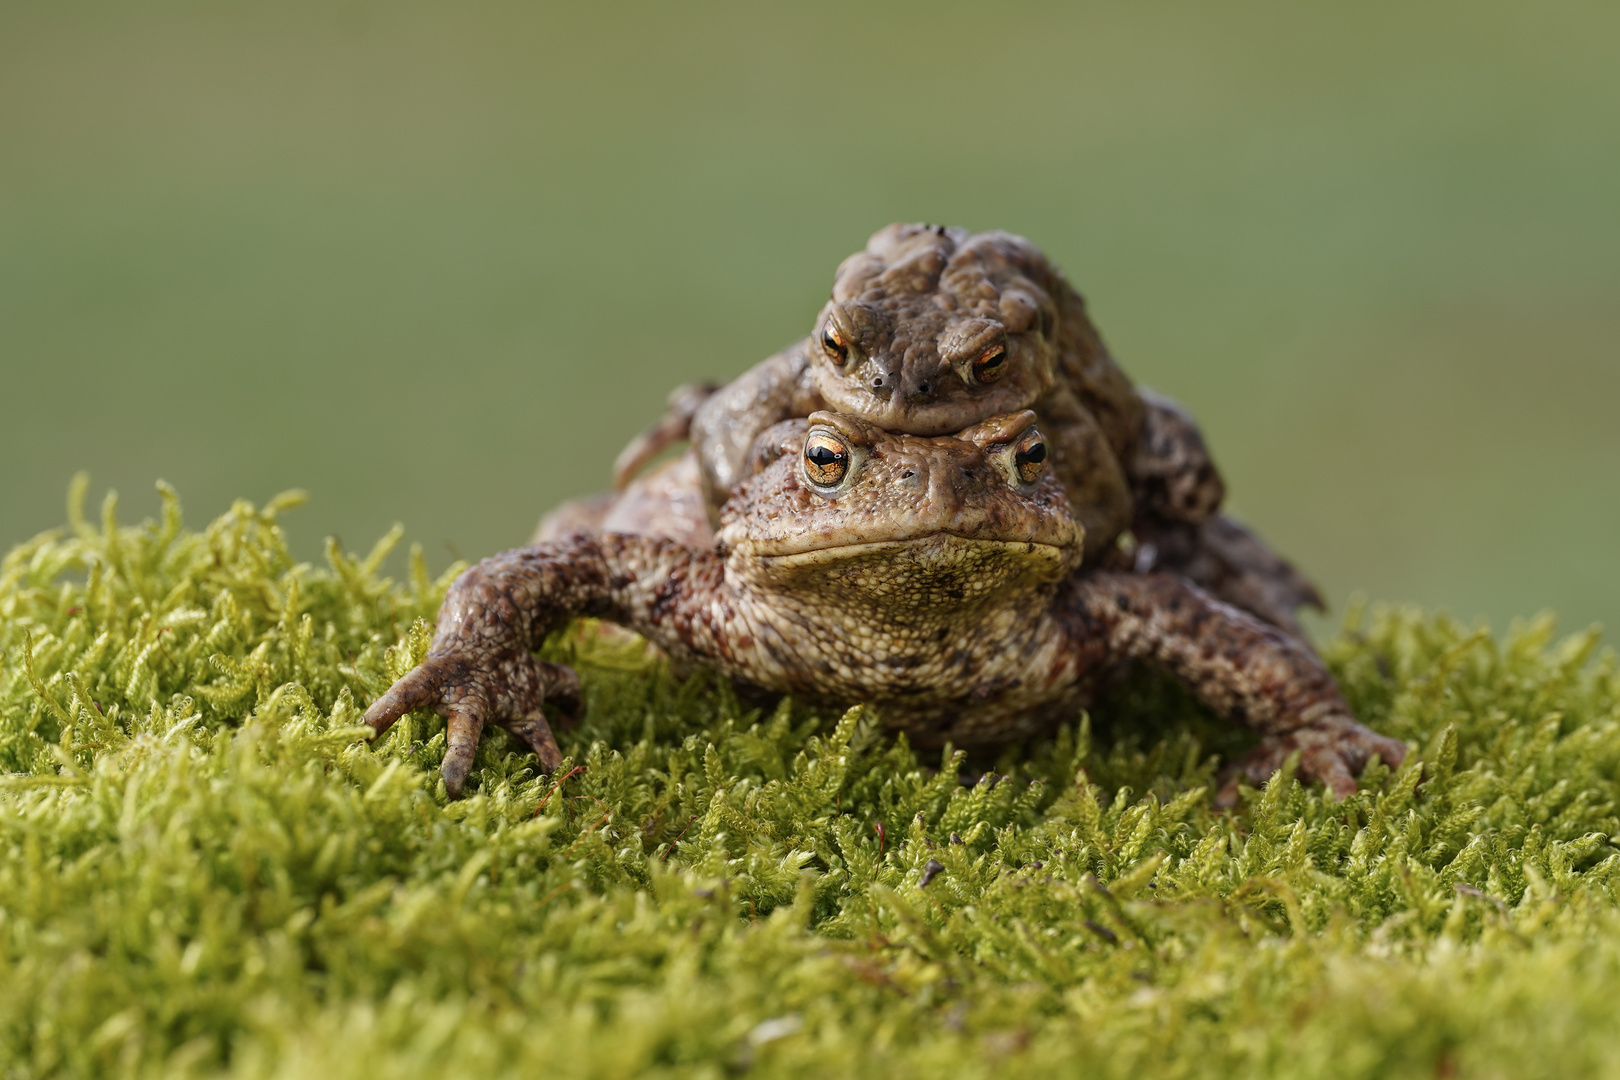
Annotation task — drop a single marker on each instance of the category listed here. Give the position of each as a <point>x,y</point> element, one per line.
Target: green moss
<point>203,871</point>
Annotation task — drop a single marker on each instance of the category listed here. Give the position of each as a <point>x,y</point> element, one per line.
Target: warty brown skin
<point>938,580</point>
<point>914,313</point>
<point>1218,555</point>
<point>910,316</point>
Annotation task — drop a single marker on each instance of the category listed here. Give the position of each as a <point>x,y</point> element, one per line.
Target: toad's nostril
<point>923,389</point>
<point>877,383</point>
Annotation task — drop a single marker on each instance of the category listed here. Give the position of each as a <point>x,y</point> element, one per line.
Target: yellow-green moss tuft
<point>203,871</point>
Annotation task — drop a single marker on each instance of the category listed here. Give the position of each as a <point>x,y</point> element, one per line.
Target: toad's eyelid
<point>830,433</point>
<point>836,326</point>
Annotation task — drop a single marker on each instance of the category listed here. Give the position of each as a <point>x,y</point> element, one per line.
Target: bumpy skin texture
<point>1173,478</point>
<point>910,317</point>
<point>938,580</point>
<point>913,318</point>
<point>666,501</point>
<point>1230,562</point>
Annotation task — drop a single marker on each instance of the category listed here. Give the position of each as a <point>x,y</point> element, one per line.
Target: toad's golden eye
<point>1029,457</point>
<point>833,343</point>
<point>991,364</point>
<point>826,459</point>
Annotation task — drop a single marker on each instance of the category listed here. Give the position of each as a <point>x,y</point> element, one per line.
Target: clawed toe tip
<point>378,721</point>
<point>455,780</point>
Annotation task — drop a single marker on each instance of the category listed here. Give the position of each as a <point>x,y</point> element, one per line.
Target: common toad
<point>940,580</point>
<point>930,329</point>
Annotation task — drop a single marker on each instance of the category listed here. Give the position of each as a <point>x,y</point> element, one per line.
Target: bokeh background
<point>435,263</point>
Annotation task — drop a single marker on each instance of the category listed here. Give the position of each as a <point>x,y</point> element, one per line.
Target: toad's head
<point>837,503</point>
<point>931,329</point>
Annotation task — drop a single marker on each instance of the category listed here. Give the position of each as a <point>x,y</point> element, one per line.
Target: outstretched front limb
<point>481,667</point>
<point>1242,668</point>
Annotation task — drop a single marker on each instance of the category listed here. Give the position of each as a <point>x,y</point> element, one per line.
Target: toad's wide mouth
<point>800,553</point>
<point>944,412</point>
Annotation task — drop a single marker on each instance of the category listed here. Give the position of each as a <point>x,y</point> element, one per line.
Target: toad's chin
<point>938,567</point>
<point>946,412</point>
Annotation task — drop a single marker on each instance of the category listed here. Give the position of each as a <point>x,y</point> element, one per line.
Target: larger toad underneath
<point>937,579</point>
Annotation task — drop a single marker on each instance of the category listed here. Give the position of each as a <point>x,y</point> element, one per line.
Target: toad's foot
<point>477,686</point>
<point>481,667</point>
<point>1332,750</point>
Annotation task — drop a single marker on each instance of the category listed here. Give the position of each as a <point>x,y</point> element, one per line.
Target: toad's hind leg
<point>1243,669</point>
<point>1232,563</point>
<point>1177,495</point>
<point>1172,476</point>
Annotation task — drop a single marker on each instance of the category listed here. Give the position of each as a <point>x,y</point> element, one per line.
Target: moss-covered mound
<point>203,870</point>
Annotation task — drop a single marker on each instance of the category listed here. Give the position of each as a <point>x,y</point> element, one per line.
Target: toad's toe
<point>461,739</point>
<point>480,687</point>
<point>1331,753</point>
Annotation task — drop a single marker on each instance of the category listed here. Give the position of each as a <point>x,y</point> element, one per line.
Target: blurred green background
<point>436,263</point>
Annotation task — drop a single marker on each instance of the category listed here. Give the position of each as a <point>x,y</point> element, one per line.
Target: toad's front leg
<point>1240,667</point>
<point>481,667</point>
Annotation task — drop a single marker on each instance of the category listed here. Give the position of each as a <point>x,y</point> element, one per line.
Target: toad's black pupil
<point>993,361</point>
<point>1033,456</point>
<point>822,457</point>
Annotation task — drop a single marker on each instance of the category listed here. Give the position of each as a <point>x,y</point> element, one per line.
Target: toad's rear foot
<point>471,688</point>
<point>1332,750</point>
